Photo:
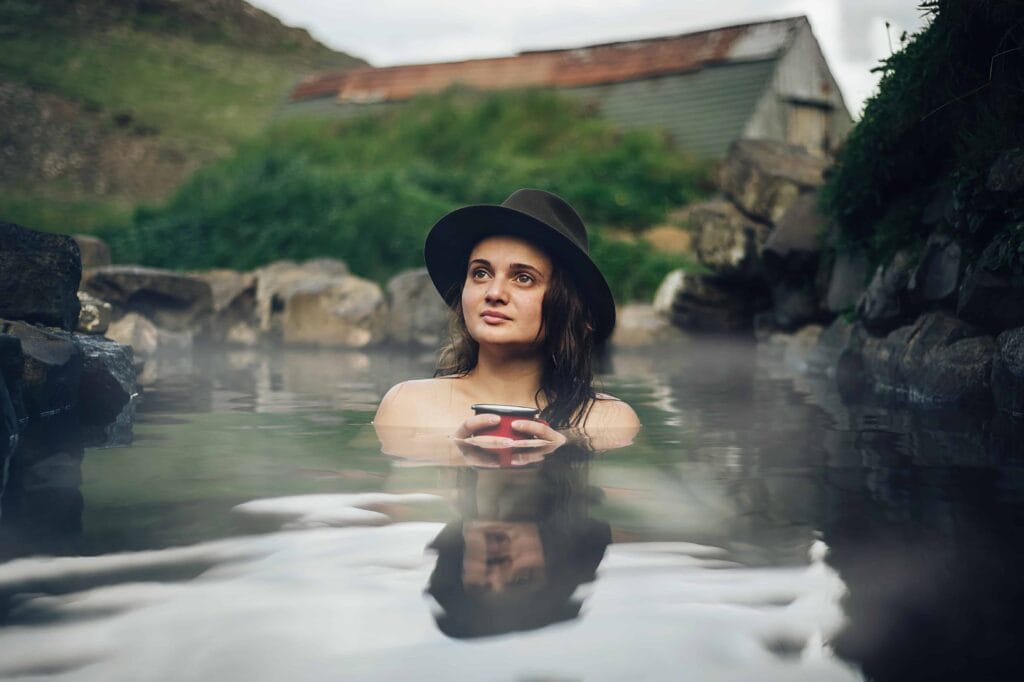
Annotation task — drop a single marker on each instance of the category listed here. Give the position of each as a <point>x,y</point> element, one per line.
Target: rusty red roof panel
<point>591,65</point>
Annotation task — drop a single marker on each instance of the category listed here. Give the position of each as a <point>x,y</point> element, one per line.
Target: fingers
<point>538,430</point>
<point>476,423</point>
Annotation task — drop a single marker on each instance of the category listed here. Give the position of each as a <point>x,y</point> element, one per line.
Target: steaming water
<point>760,530</point>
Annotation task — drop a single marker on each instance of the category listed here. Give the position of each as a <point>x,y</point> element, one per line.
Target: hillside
<point>367,189</point>
<point>107,103</point>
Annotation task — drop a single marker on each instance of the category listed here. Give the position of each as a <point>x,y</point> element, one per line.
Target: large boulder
<point>52,370</point>
<point>638,325</point>
<point>277,282</point>
<point>172,300</point>
<point>790,263</point>
<point>885,303</point>
<point>39,276</point>
<point>95,252</point>
<point>1007,173</point>
<point>108,379</point>
<point>95,315</point>
<point>937,274</point>
<point>417,315</point>
<point>1008,372</point>
<point>703,304</point>
<point>146,339</point>
<point>348,312</point>
<point>847,281</point>
<point>792,248</point>
<point>992,293</point>
<point>233,319</point>
<point>937,361</point>
<point>764,177</point>
<point>12,410</point>
<point>726,240</point>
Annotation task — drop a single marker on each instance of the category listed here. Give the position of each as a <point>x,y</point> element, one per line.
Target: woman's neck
<point>508,378</point>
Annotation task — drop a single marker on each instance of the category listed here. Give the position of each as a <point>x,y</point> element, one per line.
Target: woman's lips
<point>494,317</point>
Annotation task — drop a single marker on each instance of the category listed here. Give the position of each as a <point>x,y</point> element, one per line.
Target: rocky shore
<point>54,380</point>
<point>940,327</point>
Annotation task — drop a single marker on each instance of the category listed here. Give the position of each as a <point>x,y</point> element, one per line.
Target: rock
<point>95,314</point>
<point>52,370</point>
<point>992,294</point>
<point>12,365</point>
<point>347,312</point>
<point>794,304</point>
<point>703,304</point>
<point>830,345</point>
<point>1008,372</point>
<point>10,426</point>
<point>884,304</point>
<point>764,177</point>
<point>12,409</point>
<point>1007,173</point>
<point>417,314</point>
<point>233,319</point>
<point>847,282</point>
<point>108,379</point>
<point>789,260</point>
<point>939,361</point>
<point>935,278</point>
<point>669,239</point>
<point>95,252</point>
<point>39,275</point>
<point>791,250</point>
<point>276,283</point>
<point>959,374</point>
<point>637,325</point>
<point>666,293</point>
<point>726,241</point>
<point>172,300</point>
<point>146,339</point>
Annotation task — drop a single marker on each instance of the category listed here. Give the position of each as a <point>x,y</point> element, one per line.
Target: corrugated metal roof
<point>566,68</point>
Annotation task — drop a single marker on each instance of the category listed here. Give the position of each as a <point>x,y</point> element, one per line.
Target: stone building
<point>708,88</point>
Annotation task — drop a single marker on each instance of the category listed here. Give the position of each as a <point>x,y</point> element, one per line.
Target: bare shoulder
<point>609,412</point>
<point>404,402</point>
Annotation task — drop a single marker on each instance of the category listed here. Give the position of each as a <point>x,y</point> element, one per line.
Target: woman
<point>528,308</point>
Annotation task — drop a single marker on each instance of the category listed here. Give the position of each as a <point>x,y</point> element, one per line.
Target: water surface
<point>757,529</point>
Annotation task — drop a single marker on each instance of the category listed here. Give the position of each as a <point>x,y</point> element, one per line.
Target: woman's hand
<point>539,441</point>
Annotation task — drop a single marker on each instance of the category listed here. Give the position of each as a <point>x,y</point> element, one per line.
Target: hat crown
<point>551,210</point>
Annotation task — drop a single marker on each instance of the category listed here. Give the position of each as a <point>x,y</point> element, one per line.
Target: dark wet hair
<point>568,351</point>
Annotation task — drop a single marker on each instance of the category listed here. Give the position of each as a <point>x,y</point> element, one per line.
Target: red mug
<point>508,414</point>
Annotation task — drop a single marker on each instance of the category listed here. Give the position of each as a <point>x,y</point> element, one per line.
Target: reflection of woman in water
<point>524,545</point>
<point>528,309</point>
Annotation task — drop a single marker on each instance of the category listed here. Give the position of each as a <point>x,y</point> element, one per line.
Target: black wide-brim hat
<point>539,217</point>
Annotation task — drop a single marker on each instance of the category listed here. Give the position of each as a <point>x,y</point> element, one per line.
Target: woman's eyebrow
<point>525,266</point>
<point>480,261</point>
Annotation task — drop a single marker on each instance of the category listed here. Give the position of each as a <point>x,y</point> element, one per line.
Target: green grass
<point>68,216</point>
<point>205,93</point>
<point>367,190</point>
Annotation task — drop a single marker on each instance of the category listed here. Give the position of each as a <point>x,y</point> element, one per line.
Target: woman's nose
<point>497,291</point>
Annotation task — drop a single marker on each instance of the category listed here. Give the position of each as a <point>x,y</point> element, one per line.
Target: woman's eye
<point>523,278</point>
<point>479,273</point>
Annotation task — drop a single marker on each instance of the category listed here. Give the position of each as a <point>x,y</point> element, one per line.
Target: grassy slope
<point>367,190</point>
<point>201,92</point>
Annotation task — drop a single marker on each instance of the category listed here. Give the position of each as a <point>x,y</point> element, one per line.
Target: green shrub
<point>367,190</point>
<point>949,102</point>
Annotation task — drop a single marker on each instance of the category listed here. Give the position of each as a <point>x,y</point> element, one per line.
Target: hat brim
<point>449,243</point>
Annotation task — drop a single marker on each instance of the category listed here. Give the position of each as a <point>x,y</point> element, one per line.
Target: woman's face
<point>503,296</point>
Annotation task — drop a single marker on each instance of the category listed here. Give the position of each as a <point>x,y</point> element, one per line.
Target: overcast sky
<point>852,33</point>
